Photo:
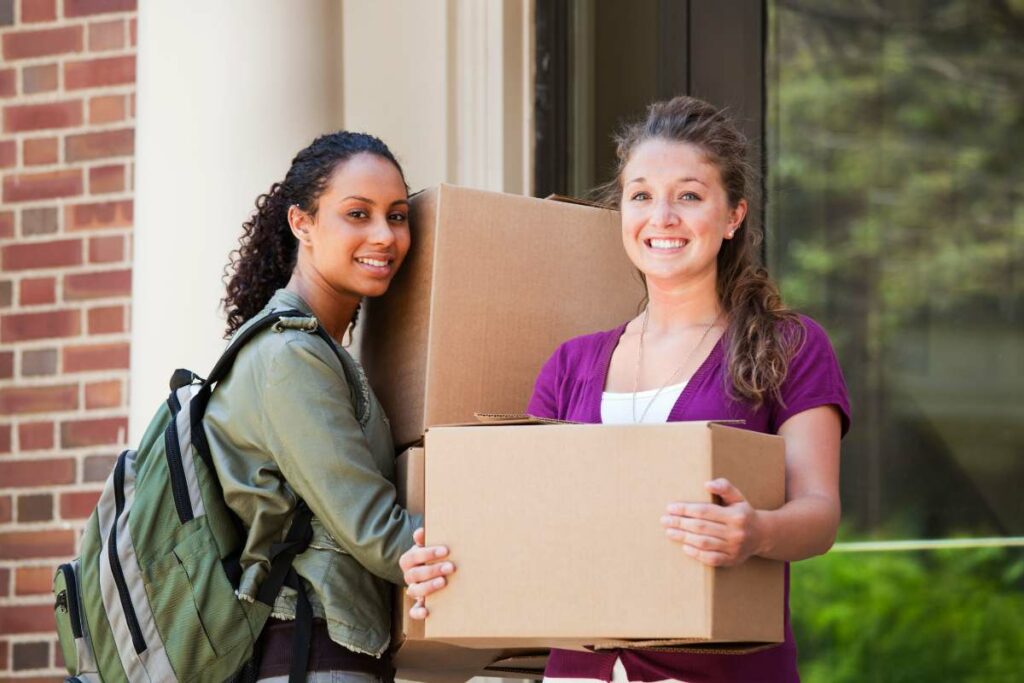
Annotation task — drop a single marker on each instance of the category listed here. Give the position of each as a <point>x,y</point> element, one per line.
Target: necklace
<point>640,360</point>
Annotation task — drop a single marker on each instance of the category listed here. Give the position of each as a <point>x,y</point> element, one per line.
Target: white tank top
<point>617,408</point>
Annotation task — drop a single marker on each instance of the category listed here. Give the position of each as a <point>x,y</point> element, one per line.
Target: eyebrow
<point>371,202</point>
<point>687,179</point>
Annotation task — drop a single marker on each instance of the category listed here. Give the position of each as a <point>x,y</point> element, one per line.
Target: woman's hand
<point>423,573</point>
<point>717,535</point>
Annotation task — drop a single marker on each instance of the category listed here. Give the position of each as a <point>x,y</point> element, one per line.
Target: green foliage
<point>943,615</point>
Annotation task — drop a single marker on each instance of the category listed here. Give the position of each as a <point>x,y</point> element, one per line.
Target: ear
<point>738,213</point>
<point>300,223</point>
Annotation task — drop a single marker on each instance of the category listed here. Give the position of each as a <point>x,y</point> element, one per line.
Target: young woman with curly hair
<point>714,342</point>
<point>295,419</point>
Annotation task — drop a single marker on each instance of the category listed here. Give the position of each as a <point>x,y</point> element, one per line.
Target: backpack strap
<point>282,555</point>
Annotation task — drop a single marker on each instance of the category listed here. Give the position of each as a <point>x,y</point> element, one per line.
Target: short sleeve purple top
<point>569,387</point>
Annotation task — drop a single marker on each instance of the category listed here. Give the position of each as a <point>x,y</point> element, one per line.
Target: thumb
<point>724,489</point>
<point>418,536</point>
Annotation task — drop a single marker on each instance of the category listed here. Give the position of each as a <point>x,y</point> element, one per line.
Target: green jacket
<point>284,424</point>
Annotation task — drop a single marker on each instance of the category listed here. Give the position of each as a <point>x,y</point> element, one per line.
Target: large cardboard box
<point>555,530</point>
<point>492,284</point>
<point>431,661</point>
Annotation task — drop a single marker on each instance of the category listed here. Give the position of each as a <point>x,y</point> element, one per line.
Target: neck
<point>676,306</point>
<point>333,309</point>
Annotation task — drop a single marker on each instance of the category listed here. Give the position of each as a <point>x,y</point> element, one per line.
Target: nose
<point>382,233</point>
<point>663,214</point>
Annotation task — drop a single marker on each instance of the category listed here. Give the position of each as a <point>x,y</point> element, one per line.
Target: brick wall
<point>67,83</point>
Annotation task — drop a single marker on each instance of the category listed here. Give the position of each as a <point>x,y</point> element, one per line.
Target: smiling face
<point>360,233</point>
<point>675,211</point>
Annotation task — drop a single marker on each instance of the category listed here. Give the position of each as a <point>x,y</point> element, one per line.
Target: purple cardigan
<point>569,388</point>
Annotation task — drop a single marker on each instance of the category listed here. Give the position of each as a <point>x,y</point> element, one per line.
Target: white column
<point>448,84</point>
<point>228,91</point>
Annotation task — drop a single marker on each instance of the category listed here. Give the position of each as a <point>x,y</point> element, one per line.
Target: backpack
<point>152,595</point>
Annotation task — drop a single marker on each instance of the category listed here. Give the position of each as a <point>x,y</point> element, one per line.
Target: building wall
<point>67,89</point>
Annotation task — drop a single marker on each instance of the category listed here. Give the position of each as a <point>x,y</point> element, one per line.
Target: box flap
<point>694,645</point>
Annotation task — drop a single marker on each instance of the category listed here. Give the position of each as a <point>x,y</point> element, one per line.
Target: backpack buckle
<point>309,324</point>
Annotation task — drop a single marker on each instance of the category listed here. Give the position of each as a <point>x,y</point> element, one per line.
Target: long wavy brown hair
<point>762,334</point>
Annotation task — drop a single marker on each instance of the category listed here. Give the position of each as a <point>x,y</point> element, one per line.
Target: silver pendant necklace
<point>640,360</point>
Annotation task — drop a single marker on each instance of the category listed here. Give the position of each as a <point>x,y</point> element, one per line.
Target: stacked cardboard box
<point>492,285</point>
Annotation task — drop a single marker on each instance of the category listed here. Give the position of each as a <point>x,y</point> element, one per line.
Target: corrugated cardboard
<point>492,284</point>
<point>556,533</point>
<point>417,659</point>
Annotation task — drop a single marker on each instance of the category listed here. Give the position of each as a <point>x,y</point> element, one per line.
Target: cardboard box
<point>556,533</point>
<point>417,659</point>
<point>492,285</point>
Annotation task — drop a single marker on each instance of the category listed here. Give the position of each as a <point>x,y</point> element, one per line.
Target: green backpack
<point>152,595</point>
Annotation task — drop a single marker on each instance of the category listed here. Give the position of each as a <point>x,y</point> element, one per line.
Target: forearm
<point>802,528</point>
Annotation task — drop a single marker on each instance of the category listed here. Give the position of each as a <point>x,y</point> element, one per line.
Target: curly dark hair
<point>267,250</point>
<point>763,333</point>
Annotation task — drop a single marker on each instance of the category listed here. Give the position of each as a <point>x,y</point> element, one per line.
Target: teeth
<point>667,244</point>
<point>373,262</point>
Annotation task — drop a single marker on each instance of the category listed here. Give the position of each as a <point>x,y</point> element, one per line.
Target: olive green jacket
<point>283,424</point>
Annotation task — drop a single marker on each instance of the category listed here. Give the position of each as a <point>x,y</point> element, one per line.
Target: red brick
<point>36,151</point>
<point>35,436</point>
<point>6,293</point>
<point>96,357</point>
<point>102,215</point>
<point>96,432</point>
<point>8,82</point>
<point>33,580</point>
<point>6,364</point>
<point>41,78</point>
<point>81,8</point>
<point>5,438</point>
<point>97,73</point>
<point>132,31</point>
<point>44,399</point>
<point>103,394</point>
<point>79,286</point>
<point>6,515</point>
<point>17,619</point>
<point>6,224</point>
<point>36,507</point>
<point>104,179</point>
<point>53,254</point>
<point>107,249</point>
<point>109,143</point>
<point>37,291</point>
<point>49,185</point>
<point>8,153</point>
<point>38,679</point>
<point>3,644</point>
<point>106,320</point>
<point>25,117</point>
<point>106,108</point>
<point>66,114</point>
<point>36,472</point>
<point>17,327</point>
<point>38,10</point>
<point>38,43</point>
<point>106,35</point>
<point>78,505</point>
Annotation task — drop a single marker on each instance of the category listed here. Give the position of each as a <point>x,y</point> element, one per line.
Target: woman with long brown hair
<point>714,342</point>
